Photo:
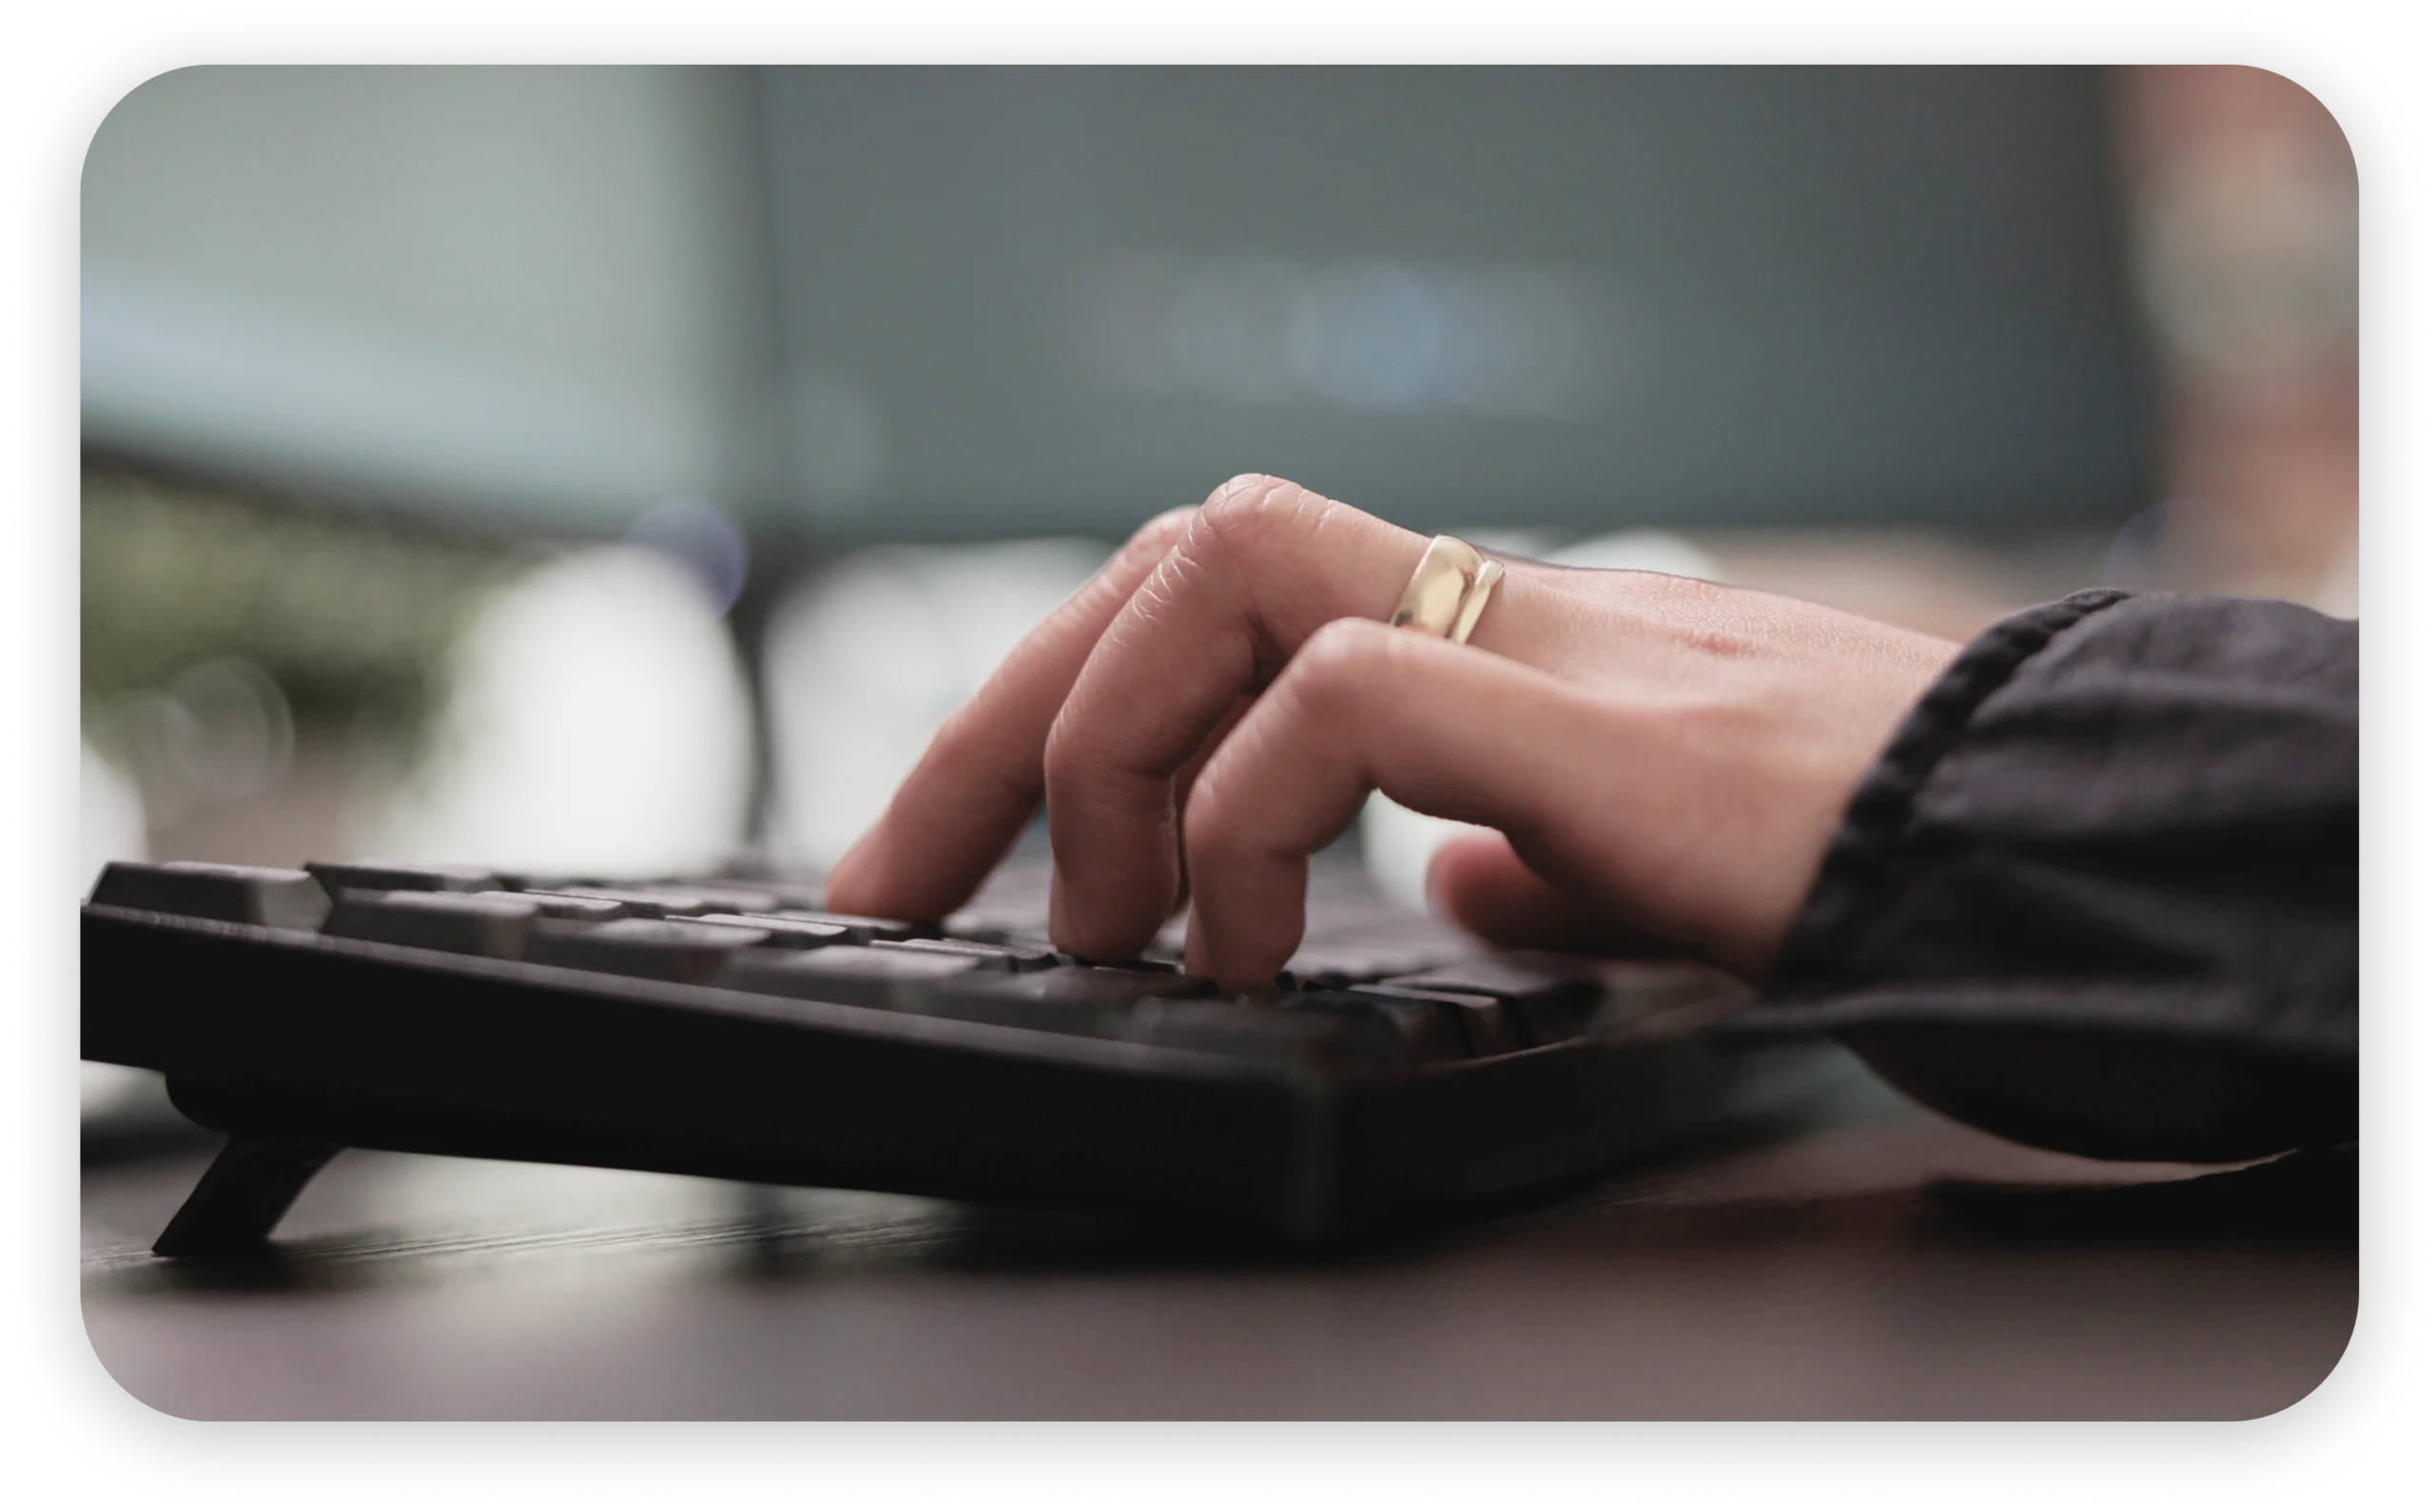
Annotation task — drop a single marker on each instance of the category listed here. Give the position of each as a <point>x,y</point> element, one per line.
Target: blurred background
<point>612,470</point>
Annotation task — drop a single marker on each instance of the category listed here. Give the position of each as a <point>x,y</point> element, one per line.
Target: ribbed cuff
<point>1867,867</point>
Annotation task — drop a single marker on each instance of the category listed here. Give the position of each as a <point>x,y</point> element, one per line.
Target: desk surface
<point>1815,1274</point>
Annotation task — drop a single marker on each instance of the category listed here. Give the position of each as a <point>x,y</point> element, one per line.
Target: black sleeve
<point>2101,891</point>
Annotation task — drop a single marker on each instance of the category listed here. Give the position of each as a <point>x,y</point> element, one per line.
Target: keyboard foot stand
<point>243,1196</point>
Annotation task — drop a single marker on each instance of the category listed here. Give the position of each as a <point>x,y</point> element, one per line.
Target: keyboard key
<point>641,902</point>
<point>1335,964</point>
<point>1039,944</point>
<point>1033,943</point>
<point>1553,998</point>
<point>1430,1031</point>
<point>238,895</point>
<point>663,949</point>
<point>559,906</point>
<point>1311,971</point>
<point>857,976</point>
<point>494,924</point>
<point>1147,963</point>
<point>790,934</point>
<point>1003,958</point>
<point>992,925</point>
<point>526,881</point>
<point>1386,1031</point>
<point>729,899</point>
<point>384,877</point>
<point>1485,1025</point>
<point>863,930</point>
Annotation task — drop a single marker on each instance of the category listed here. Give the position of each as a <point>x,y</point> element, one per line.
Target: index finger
<point>975,786</point>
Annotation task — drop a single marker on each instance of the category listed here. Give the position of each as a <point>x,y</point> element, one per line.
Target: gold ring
<point>1449,590</point>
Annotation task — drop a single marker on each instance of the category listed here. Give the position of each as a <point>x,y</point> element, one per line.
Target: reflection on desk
<point>1827,1272</point>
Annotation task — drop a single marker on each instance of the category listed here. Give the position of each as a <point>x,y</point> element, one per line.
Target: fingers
<point>1446,729</point>
<point>1477,881</point>
<point>1190,773</point>
<point>1107,708</point>
<point>980,781</point>
<point>1668,754</point>
<point>1264,565</point>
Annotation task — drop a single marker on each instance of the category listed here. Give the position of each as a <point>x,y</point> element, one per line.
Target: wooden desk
<point>1808,1276</point>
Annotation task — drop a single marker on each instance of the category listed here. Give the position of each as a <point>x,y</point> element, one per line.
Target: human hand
<point>1664,760</point>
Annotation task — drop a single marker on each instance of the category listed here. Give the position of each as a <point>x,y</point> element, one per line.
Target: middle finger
<point>1262,565</point>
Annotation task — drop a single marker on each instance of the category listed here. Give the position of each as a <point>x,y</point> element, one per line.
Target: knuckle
<point>1152,543</point>
<point>1161,531</point>
<point>1178,570</point>
<point>1242,490</point>
<point>1253,511</point>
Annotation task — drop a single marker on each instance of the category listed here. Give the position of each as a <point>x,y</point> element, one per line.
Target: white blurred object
<point>220,731</point>
<point>1640,551</point>
<point>865,663</point>
<point>596,721</point>
<point>110,826</point>
<point>1508,540</point>
<point>110,819</point>
<point>1396,844</point>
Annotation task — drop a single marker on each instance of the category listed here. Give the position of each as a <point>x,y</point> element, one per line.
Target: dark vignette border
<point>137,1449</point>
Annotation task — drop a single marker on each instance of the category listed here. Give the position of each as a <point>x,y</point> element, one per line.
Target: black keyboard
<point>730,1027</point>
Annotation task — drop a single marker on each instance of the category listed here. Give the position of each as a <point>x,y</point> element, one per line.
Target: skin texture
<point>1664,759</point>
